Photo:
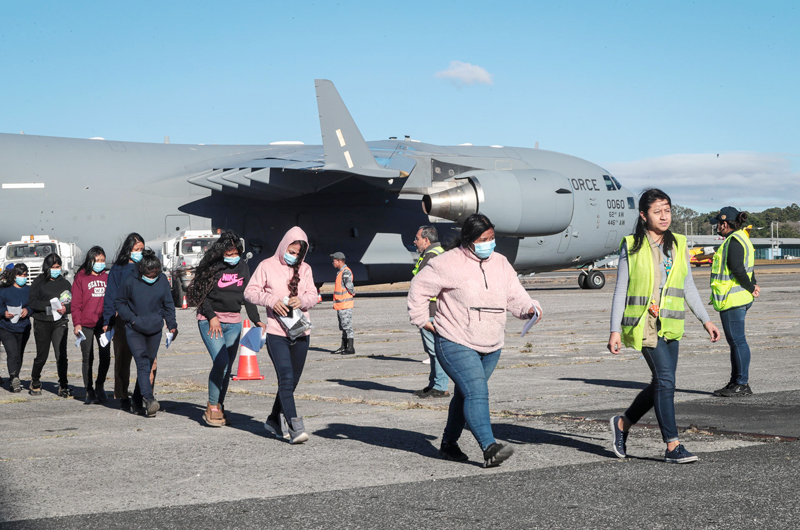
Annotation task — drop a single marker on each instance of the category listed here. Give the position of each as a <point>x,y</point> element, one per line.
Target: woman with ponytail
<point>282,283</point>
<point>217,291</point>
<point>654,285</point>
<point>14,292</point>
<point>733,289</point>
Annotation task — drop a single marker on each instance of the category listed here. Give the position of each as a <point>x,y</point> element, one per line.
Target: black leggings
<point>288,358</point>
<point>14,344</point>
<point>103,354</point>
<point>46,333</point>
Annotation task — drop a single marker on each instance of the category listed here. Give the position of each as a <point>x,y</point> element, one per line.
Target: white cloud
<point>706,182</point>
<point>466,74</point>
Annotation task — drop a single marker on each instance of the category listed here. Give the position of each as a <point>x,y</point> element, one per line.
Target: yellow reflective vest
<point>641,279</point>
<point>726,292</point>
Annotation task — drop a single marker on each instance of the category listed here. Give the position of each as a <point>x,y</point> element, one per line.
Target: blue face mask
<point>55,273</point>
<point>484,250</point>
<point>136,257</point>
<point>21,281</point>
<point>289,259</point>
<point>99,267</point>
<point>232,260</point>
<point>149,280</point>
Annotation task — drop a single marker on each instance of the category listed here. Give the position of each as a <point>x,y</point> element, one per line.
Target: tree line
<point>788,219</point>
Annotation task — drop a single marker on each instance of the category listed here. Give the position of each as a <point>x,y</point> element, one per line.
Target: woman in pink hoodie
<point>285,276</point>
<point>474,286</point>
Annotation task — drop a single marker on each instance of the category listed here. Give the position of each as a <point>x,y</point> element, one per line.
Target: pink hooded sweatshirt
<point>270,282</point>
<point>473,297</point>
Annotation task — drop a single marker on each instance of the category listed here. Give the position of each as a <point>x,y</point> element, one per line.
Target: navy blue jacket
<point>13,296</point>
<point>115,277</point>
<point>144,307</point>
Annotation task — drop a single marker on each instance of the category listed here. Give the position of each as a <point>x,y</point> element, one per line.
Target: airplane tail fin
<point>344,147</point>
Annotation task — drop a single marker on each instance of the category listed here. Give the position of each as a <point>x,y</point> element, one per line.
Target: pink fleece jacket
<point>270,282</point>
<point>473,297</point>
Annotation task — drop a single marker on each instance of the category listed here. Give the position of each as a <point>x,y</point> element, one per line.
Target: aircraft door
<point>176,223</point>
<point>565,237</point>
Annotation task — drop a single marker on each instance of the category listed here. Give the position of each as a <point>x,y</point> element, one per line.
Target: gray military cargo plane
<point>361,198</point>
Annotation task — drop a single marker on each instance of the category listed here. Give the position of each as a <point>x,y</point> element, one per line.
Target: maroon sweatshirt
<point>87,299</point>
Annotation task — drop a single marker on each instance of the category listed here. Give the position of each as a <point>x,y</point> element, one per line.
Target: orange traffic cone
<point>184,305</point>
<point>319,296</point>
<point>248,361</point>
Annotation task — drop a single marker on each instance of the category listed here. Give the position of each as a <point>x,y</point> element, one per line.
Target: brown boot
<point>213,416</point>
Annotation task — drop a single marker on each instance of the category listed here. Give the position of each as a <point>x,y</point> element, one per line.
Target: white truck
<point>180,253</point>
<point>32,249</point>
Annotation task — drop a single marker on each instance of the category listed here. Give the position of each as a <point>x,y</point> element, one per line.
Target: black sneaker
<point>125,404</point>
<point>65,392</point>
<point>35,389</point>
<point>151,407</point>
<point>100,392</point>
<point>680,455</point>
<point>451,451</point>
<point>433,393</point>
<point>496,454</point>
<point>719,392</point>
<point>91,397</point>
<point>137,408</point>
<point>618,438</point>
<point>420,392</point>
<point>736,391</point>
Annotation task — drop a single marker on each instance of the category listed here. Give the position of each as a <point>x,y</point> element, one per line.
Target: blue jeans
<point>223,352</point>
<point>733,326</point>
<point>288,358</point>
<point>470,371</point>
<point>144,349</point>
<point>660,393</point>
<point>437,379</point>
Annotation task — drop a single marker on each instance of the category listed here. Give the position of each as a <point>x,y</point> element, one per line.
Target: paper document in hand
<point>55,305</point>
<point>16,311</point>
<point>106,337</point>
<point>170,336</point>
<point>80,338</point>
<point>252,339</point>
<point>529,324</point>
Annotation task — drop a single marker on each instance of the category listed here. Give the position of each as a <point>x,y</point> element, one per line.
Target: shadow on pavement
<point>194,412</point>
<point>519,434</point>
<point>411,441</point>
<point>391,358</point>
<point>627,384</point>
<point>369,385</point>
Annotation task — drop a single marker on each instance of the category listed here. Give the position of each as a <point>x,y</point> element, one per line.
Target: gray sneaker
<point>279,429</point>
<point>16,385</point>
<point>297,431</point>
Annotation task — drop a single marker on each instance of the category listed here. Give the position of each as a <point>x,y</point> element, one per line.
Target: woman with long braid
<point>217,291</point>
<point>285,276</point>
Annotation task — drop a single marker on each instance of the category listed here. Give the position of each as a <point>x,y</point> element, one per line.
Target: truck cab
<point>32,249</point>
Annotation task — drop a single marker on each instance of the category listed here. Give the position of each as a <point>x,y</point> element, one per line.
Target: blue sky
<point>650,90</point>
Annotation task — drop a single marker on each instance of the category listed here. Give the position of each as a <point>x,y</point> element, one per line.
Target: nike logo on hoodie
<point>230,279</point>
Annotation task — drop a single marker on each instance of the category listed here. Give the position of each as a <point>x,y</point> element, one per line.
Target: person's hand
<point>294,302</point>
<point>712,330</point>
<point>9,315</point>
<point>429,327</point>
<point>105,329</point>
<point>615,343</point>
<point>263,327</point>
<point>756,291</point>
<point>62,310</point>
<point>78,330</point>
<point>24,312</point>
<point>214,328</point>
<point>174,332</point>
<point>532,311</point>
<point>280,308</point>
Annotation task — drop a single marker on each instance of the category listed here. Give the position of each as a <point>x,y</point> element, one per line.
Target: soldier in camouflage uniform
<point>343,294</point>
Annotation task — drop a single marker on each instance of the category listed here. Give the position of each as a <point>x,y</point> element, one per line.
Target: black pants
<point>14,344</point>
<point>103,354</point>
<point>144,349</point>
<point>46,333</point>
<point>289,358</point>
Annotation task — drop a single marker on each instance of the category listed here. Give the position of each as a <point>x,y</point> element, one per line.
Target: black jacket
<point>227,294</point>
<point>144,307</point>
<point>41,294</point>
<point>736,265</point>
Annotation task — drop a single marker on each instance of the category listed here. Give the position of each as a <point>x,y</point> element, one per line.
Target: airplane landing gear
<point>591,280</point>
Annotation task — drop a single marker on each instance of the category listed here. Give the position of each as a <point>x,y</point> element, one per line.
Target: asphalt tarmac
<point>372,457</point>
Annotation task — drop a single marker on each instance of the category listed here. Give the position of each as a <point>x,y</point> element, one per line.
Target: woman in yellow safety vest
<point>733,288</point>
<point>654,284</point>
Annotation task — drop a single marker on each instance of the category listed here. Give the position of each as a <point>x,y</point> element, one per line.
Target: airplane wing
<point>282,172</point>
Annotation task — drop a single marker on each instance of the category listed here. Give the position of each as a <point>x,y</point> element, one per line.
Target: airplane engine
<point>527,202</point>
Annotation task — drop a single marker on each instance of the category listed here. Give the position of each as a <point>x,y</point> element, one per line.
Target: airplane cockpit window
<point>631,204</point>
<point>619,186</point>
<point>609,184</point>
<point>31,250</point>
<point>196,246</point>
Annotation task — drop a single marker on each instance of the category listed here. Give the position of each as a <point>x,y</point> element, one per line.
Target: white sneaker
<point>427,361</point>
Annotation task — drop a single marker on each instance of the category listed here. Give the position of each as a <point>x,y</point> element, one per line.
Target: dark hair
<point>88,262</point>
<point>646,200</point>
<point>212,263</point>
<point>737,224</point>
<point>47,264</point>
<point>124,252</point>
<point>8,278</point>
<point>150,263</point>
<point>429,232</point>
<point>295,281</point>
<point>473,227</point>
